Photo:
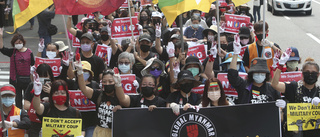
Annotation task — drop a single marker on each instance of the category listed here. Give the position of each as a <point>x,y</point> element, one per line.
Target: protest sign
<point>198,51</point>
<point>121,27</point>
<point>127,83</point>
<point>198,90</point>
<point>55,64</point>
<point>146,2</point>
<point>80,101</point>
<point>290,76</point>
<point>61,127</point>
<point>235,22</point>
<point>104,52</point>
<point>125,4</point>
<point>75,42</point>
<point>228,89</point>
<point>224,121</point>
<point>302,116</point>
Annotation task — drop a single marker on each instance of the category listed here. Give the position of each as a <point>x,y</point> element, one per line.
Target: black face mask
<point>108,88</point>
<point>145,48</point>
<point>104,37</point>
<point>186,88</point>
<point>156,21</point>
<point>230,38</point>
<point>144,18</point>
<point>147,91</point>
<point>223,46</point>
<point>310,77</point>
<point>260,36</point>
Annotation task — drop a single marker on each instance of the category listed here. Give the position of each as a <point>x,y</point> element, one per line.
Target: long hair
<point>44,70</point>
<point>54,87</point>
<point>206,101</point>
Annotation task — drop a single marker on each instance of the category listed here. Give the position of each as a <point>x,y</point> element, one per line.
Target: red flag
<point>77,7</point>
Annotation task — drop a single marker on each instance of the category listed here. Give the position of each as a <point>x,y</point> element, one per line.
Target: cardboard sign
<point>61,127</point>
<point>80,101</point>
<point>104,52</point>
<point>198,90</point>
<point>125,4</point>
<point>235,22</point>
<point>55,64</point>
<point>302,116</point>
<point>146,2</point>
<point>121,27</point>
<point>228,89</point>
<point>198,51</point>
<point>290,76</point>
<point>127,83</point>
<point>75,42</point>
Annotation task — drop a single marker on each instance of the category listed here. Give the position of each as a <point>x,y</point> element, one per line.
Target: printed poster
<point>302,116</point>
<point>235,22</point>
<point>127,83</point>
<point>55,64</point>
<point>104,52</point>
<point>198,51</point>
<point>80,101</point>
<point>61,127</point>
<point>121,27</point>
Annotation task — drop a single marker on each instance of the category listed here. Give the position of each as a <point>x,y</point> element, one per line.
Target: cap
<point>87,66</point>
<point>104,29</point>
<point>146,37</point>
<point>8,89</point>
<point>259,65</point>
<point>156,14</point>
<point>125,41</point>
<point>87,35</point>
<point>150,62</point>
<point>186,75</point>
<point>294,56</point>
<point>62,46</point>
<point>244,32</point>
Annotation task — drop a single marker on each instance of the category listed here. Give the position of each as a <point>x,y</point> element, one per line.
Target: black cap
<point>104,29</point>
<point>244,32</point>
<point>145,36</point>
<point>193,60</point>
<point>87,35</point>
<point>186,75</point>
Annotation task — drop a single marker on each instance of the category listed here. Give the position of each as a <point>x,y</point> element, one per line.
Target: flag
<point>172,8</point>
<point>24,10</point>
<point>77,7</point>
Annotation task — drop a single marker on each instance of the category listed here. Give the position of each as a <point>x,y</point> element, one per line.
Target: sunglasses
<point>153,68</point>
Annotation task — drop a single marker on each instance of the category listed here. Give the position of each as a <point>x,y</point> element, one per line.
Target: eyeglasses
<point>154,68</point>
<point>126,63</point>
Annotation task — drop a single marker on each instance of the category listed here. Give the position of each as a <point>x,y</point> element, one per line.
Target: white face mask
<point>197,14</point>
<point>214,96</point>
<point>259,77</point>
<point>85,47</point>
<point>51,54</point>
<point>86,75</point>
<point>210,38</point>
<point>124,68</point>
<point>244,41</point>
<point>292,64</point>
<point>18,46</point>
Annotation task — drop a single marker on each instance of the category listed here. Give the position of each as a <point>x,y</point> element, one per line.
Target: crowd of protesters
<point>158,57</point>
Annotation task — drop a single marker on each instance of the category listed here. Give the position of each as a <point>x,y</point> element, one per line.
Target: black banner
<point>231,121</point>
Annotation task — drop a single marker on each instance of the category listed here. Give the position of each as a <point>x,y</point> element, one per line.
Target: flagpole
<point>181,32</point>
<point>264,19</point>
<point>218,28</point>
<point>132,37</point>
<point>68,40</point>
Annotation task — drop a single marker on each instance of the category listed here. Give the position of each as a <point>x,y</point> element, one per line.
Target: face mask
<point>230,38</point>
<point>124,68</point>
<point>51,54</point>
<point>156,73</point>
<point>85,47</point>
<point>259,77</point>
<point>86,75</point>
<point>195,26</point>
<point>292,65</point>
<point>145,48</point>
<point>196,14</point>
<point>147,91</point>
<point>223,46</point>
<point>59,100</point>
<point>310,77</point>
<point>214,96</point>
<point>8,101</point>
<point>244,41</point>
<point>108,88</point>
<point>194,71</point>
<point>260,36</point>
<point>210,38</point>
<point>186,88</point>
<point>18,46</point>
<point>104,37</point>
<point>100,16</point>
<point>144,18</point>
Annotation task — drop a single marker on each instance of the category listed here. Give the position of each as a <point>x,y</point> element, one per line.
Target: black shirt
<point>307,95</point>
<point>104,108</point>
<point>70,112</point>
<point>139,101</point>
<point>97,65</point>
<point>138,66</point>
<point>163,86</point>
<point>176,97</point>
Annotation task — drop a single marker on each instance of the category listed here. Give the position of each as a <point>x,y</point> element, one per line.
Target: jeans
<point>89,131</point>
<point>47,39</point>
<point>256,10</point>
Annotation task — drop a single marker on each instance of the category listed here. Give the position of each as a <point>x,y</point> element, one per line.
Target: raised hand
<point>285,56</point>
<point>37,85</point>
<point>158,30</point>
<point>65,58</point>
<point>41,45</point>
<point>78,64</point>
<point>236,44</point>
<point>213,53</point>
<point>170,49</point>
<point>276,58</point>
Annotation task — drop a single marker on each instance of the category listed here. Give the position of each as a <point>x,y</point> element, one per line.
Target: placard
<point>121,27</point>
<point>55,64</point>
<point>80,101</point>
<point>235,22</point>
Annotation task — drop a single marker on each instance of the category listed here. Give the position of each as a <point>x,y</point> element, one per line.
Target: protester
<point>21,58</point>
<point>227,62</point>
<point>156,68</point>
<point>125,64</point>
<point>194,32</point>
<point>194,66</point>
<point>62,47</point>
<point>46,78</point>
<point>144,18</point>
<point>293,61</point>
<point>196,13</point>
<point>244,10</point>
<point>245,38</point>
